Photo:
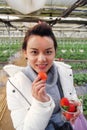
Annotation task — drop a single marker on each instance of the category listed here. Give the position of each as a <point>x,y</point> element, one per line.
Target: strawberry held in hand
<point>43,75</point>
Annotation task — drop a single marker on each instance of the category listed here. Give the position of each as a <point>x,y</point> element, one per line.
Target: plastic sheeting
<point>80,123</point>
<point>28,6</point>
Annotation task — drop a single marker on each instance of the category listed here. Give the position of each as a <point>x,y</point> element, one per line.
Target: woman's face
<point>40,53</point>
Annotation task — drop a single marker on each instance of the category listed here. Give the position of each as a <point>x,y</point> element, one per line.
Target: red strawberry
<point>43,75</point>
<point>68,116</point>
<point>64,102</point>
<point>72,107</point>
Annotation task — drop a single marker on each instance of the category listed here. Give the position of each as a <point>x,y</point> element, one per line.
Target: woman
<point>33,102</point>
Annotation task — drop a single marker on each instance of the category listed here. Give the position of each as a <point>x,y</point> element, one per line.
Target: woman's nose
<point>41,57</point>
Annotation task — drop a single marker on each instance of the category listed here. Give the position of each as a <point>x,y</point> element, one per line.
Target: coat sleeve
<point>34,117</point>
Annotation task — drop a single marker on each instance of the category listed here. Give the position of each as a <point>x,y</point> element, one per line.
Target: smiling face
<point>40,53</point>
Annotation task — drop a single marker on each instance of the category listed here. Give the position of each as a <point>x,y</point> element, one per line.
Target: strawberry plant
<point>80,79</point>
<point>85,104</point>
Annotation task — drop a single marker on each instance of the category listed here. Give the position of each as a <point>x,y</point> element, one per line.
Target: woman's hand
<point>39,90</point>
<point>77,113</point>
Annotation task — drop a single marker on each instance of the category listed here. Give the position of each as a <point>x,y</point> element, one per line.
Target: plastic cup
<point>67,115</point>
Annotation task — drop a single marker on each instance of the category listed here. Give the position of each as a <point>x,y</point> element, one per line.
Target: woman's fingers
<point>75,116</point>
<point>39,90</point>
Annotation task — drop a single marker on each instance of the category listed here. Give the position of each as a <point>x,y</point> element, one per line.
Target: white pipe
<point>60,2</point>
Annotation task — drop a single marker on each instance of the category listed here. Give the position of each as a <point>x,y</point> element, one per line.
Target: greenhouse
<point>68,20</point>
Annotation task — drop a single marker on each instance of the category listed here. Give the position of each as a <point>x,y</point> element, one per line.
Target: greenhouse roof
<point>51,11</point>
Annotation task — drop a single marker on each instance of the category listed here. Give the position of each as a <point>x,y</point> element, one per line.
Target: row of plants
<point>7,50</point>
<point>66,51</point>
<point>85,104</point>
<point>80,79</point>
<point>83,99</point>
<point>72,51</point>
<point>79,65</point>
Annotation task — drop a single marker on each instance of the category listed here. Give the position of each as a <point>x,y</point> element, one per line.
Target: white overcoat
<point>36,116</point>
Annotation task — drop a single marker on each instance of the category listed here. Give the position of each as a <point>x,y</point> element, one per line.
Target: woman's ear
<point>25,54</point>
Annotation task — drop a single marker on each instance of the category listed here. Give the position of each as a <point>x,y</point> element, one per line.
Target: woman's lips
<point>42,66</point>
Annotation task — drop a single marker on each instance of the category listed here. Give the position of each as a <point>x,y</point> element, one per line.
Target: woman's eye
<point>49,52</point>
<point>34,52</point>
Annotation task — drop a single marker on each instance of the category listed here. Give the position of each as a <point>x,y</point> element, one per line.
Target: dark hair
<point>41,29</point>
